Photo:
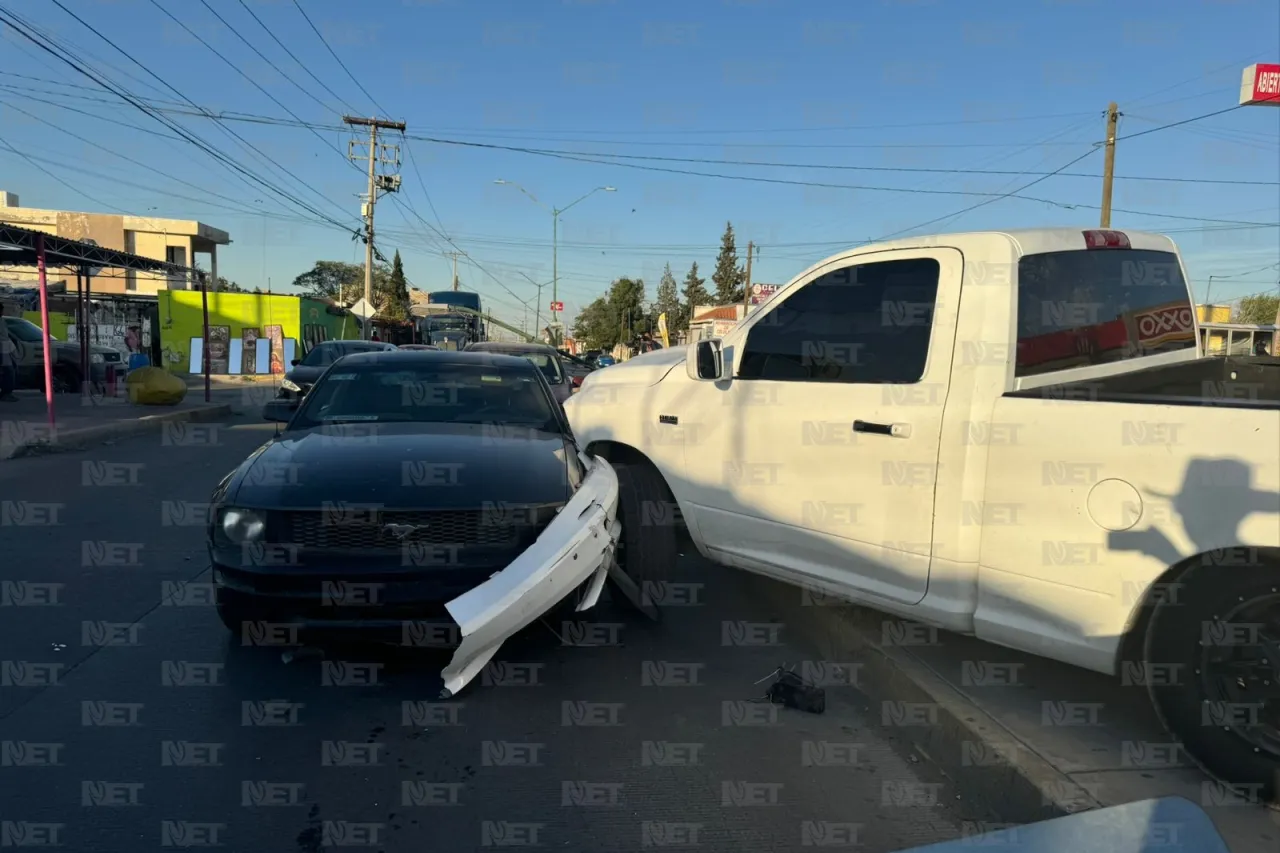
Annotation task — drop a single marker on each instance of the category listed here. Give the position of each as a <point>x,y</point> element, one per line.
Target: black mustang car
<point>408,485</point>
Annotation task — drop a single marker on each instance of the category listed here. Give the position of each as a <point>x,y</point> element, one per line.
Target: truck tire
<point>647,552</point>
<point>1224,626</point>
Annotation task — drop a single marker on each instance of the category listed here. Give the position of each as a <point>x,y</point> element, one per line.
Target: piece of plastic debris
<point>793,691</point>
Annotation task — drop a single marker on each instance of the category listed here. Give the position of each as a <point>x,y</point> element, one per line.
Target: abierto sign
<point>1260,84</point>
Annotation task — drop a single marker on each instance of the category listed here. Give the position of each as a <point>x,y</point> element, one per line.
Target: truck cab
<point>1005,434</point>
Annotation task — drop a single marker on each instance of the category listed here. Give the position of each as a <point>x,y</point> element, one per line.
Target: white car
<point>1005,434</point>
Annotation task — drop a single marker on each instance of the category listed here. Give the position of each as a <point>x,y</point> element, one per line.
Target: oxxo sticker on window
<point>490,378</point>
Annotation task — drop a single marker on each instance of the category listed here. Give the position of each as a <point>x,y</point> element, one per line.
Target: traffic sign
<point>557,306</point>
<point>363,309</point>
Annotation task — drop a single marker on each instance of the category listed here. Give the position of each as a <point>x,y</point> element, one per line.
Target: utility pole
<point>746,284</point>
<point>1109,165</point>
<point>454,256</point>
<point>384,155</point>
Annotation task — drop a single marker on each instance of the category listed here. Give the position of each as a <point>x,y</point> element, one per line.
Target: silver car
<point>545,358</point>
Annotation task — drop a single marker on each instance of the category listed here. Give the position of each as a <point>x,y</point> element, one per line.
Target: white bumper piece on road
<point>577,545</point>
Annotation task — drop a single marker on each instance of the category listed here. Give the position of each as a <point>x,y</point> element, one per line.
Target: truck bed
<point>1244,382</point>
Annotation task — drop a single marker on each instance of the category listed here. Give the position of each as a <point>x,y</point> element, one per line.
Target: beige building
<point>176,241</point>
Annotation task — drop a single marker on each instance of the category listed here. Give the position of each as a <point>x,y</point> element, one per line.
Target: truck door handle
<point>891,430</point>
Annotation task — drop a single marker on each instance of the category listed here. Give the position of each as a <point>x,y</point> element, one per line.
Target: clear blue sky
<point>879,83</point>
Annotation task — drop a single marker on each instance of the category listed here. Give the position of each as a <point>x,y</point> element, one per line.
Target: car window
<point>24,330</point>
<point>868,323</point>
<point>325,354</point>
<point>1081,308</point>
<point>476,394</point>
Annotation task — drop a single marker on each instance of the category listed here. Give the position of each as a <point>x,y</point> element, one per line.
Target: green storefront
<point>248,318</point>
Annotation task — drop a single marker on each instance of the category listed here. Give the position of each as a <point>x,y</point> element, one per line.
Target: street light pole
<point>555,236</point>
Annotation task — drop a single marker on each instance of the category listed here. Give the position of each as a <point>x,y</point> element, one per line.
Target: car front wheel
<point>647,550</point>
<point>1223,627</point>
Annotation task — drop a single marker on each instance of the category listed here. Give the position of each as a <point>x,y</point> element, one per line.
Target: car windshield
<point>25,330</point>
<point>549,366</point>
<point>437,394</point>
<point>323,355</point>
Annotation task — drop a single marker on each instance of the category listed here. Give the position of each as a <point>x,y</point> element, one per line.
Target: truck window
<point>1080,308</point>
<point>868,323</point>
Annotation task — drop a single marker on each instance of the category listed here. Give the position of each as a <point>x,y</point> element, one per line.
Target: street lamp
<point>555,235</point>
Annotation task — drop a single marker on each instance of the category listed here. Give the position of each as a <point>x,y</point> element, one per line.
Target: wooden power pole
<point>385,155</point>
<point>1109,165</point>
<point>746,283</point>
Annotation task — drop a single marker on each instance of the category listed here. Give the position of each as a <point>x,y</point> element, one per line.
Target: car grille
<point>468,528</point>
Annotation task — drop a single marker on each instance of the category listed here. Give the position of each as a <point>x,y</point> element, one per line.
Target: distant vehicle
<point>525,527</point>
<point>418,347</point>
<point>606,361</point>
<point>576,368</point>
<point>307,370</point>
<point>29,339</point>
<point>545,357</point>
<point>472,322</point>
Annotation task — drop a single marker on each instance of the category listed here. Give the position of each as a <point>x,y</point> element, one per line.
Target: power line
<point>260,54</point>
<point>299,62</point>
<point>338,59</point>
<point>186,135</point>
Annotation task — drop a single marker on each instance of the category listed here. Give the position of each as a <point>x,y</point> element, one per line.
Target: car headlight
<point>290,385</point>
<point>242,525</point>
<point>96,358</point>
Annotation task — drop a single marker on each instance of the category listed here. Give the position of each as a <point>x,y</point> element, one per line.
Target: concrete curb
<point>75,439</point>
<point>1005,777</point>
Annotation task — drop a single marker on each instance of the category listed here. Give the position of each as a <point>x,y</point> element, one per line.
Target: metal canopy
<point>18,249</point>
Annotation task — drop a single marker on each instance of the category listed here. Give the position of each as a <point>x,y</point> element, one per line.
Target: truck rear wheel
<point>1225,628</point>
<point>647,551</point>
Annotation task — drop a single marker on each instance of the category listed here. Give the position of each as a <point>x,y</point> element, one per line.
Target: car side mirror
<point>296,362</point>
<point>704,360</point>
<point>279,411</point>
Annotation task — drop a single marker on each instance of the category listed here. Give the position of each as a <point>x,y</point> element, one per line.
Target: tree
<point>667,300</point>
<point>229,286</point>
<point>694,295</point>
<point>615,317</point>
<point>596,326</point>
<point>1259,309</point>
<point>396,304</point>
<point>728,276</point>
<point>343,283</point>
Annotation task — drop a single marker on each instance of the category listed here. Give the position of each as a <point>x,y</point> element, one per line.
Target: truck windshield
<point>1081,308</point>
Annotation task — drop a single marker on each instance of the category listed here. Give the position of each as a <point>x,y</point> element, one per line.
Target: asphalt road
<point>130,720</point>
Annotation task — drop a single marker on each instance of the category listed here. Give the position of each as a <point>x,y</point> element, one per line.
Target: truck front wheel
<point>647,552</point>
<point>1223,627</point>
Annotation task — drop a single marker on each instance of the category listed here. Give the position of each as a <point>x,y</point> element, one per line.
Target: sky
<point>855,100</point>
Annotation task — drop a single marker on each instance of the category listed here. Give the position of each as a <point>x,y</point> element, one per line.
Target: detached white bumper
<point>578,544</point>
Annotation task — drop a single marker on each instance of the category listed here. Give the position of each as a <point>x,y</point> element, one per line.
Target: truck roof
<point>1026,241</point>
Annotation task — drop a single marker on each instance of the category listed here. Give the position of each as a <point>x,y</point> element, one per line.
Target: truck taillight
<point>1106,240</point>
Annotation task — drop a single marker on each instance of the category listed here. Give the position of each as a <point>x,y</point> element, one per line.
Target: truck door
<point>818,459</point>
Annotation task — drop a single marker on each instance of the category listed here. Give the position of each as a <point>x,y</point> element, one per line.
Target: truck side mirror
<point>704,360</point>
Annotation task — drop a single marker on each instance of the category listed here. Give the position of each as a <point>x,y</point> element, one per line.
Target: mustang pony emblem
<point>403,531</point>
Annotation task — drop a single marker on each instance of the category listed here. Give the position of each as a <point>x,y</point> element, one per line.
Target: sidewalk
<point>1001,740</point>
<point>24,425</point>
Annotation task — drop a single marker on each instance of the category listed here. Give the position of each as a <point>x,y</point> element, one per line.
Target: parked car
<point>544,356</point>
<point>418,347</point>
<point>606,361</point>
<point>576,368</point>
<point>29,339</point>
<point>1004,434</point>
<point>450,481</point>
<point>306,371</point>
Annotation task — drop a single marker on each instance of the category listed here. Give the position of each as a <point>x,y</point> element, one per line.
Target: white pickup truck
<point>1006,434</point>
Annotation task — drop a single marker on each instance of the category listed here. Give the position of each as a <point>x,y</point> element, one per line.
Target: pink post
<point>44,330</point>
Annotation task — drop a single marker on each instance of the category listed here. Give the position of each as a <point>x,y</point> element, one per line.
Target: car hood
<point>304,374</point>
<point>646,369</point>
<point>412,466</point>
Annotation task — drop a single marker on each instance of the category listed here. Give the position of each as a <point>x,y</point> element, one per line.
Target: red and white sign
<point>1164,323</point>
<point>557,306</point>
<point>761,292</point>
<point>1260,85</point>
